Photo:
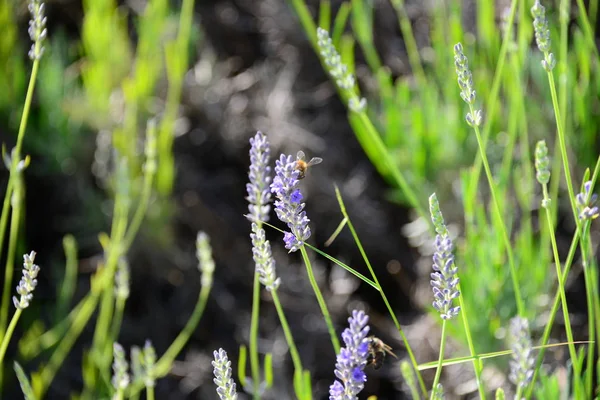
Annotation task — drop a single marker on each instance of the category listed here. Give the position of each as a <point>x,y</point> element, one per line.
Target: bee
<point>377,352</point>
<point>302,165</point>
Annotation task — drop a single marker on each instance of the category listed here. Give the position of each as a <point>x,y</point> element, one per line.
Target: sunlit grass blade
<point>335,234</point>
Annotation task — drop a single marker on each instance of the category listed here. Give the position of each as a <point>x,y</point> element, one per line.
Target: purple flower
<point>586,202</point>
<point>444,280</point>
<point>288,206</point>
<point>352,359</point>
<point>260,178</point>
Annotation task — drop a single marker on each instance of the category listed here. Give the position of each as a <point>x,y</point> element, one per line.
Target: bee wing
<point>300,155</point>
<point>388,350</point>
<point>315,161</point>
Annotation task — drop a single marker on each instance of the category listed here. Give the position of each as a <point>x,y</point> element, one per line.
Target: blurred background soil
<point>253,69</point>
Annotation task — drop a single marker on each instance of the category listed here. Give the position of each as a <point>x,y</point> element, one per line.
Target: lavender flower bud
<point>338,70</point>
<point>223,380</point>
<point>137,369</point>
<point>522,363</point>
<point>260,178</point>
<point>206,264</point>
<point>542,163</point>
<point>120,378</point>
<point>352,359</point>
<point>37,28</point>
<point>444,281</point>
<point>465,82</point>
<point>436,216</point>
<point>438,392</point>
<point>263,259</point>
<point>542,35</point>
<point>148,361</point>
<point>288,206</point>
<point>28,281</point>
<point>586,203</point>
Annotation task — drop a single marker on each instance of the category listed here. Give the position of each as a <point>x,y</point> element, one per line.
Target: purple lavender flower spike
<point>444,281</point>
<point>352,359</point>
<point>259,195</point>
<point>288,206</point>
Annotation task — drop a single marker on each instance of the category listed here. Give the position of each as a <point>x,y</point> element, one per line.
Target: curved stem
<point>287,332</point>
<point>438,371</point>
<point>253,344</point>
<point>313,282</point>
<point>8,334</point>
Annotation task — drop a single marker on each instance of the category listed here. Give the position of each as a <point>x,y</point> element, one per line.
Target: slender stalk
<point>287,332</point>
<point>590,308</point>
<point>409,40</point>
<point>313,282</point>
<point>361,249</point>
<point>587,27</point>
<point>561,287</point>
<point>438,371</point>
<point>117,319</point>
<point>67,288</point>
<point>499,214</point>
<point>15,159</point>
<point>477,364</point>
<point>166,361</point>
<point>150,392</point>
<point>253,344</point>
<point>8,334</point>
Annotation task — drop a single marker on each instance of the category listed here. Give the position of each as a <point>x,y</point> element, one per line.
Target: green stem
<point>67,288</point>
<point>8,335</point>
<point>563,146</point>
<point>589,33</point>
<point>361,249</point>
<point>313,282</point>
<point>561,288</point>
<point>477,364</point>
<point>590,308</point>
<point>438,371</point>
<point>287,332</point>
<point>253,345</point>
<point>411,44</point>
<point>499,215</point>
<point>164,364</point>
<point>117,319</point>
<point>150,392</point>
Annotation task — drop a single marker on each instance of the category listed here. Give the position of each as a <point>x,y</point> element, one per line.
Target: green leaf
<point>24,382</point>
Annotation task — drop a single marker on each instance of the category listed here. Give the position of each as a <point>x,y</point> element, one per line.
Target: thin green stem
<point>313,282</point>
<point>253,344</point>
<point>8,335</point>
<point>117,318</point>
<point>587,28</point>
<point>140,212</point>
<point>409,40</point>
<point>17,199</point>
<point>67,288</point>
<point>563,146</point>
<point>561,287</point>
<point>361,249</point>
<point>150,392</point>
<point>590,308</point>
<point>166,361</point>
<point>477,364</point>
<point>438,371</point>
<point>3,224</point>
<point>287,332</point>
<point>500,216</point>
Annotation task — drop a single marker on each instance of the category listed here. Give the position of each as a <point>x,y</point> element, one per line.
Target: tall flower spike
<point>223,379</point>
<point>37,28</point>
<point>586,203</point>
<point>542,35</point>
<point>352,359</point>
<point>444,281</point>
<point>28,282</point>
<point>465,82</point>
<point>120,376</point>
<point>288,206</point>
<point>522,363</point>
<point>263,259</point>
<point>206,264</point>
<point>260,178</point>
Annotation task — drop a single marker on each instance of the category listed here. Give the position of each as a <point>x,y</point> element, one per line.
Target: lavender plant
<point>586,203</point>
<point>223,380</point>
<point>120,378</point>
<point>352,359</point>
